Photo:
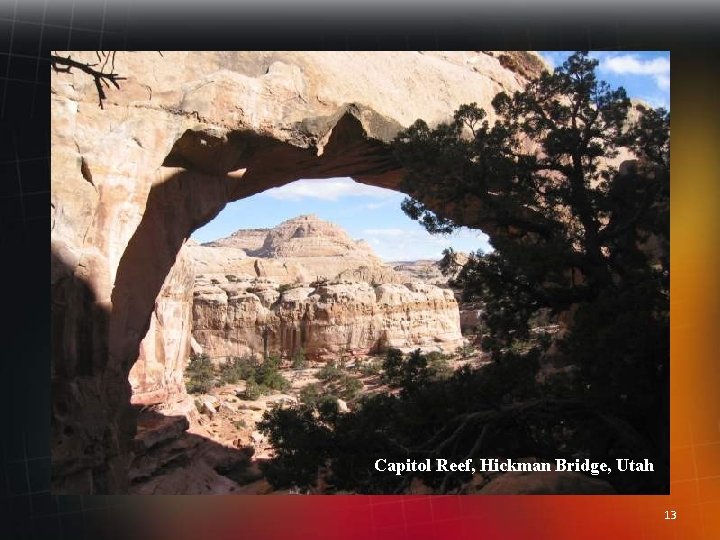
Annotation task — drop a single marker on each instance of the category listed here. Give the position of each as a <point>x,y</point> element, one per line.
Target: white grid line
<point>7,68</point>
<point>37,65</point>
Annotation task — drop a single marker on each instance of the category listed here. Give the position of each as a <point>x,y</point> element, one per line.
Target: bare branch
<point>65,64</point>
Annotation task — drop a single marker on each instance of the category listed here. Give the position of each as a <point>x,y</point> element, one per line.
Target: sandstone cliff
<point>325,321</point>
<point>183,135</point>
<point>300,250</point>
<point>314,288</point>
<point>248,240</point>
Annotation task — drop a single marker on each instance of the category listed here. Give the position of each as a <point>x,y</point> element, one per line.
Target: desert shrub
<point>231,278</point>
<point>252,390</point>
<point>439,365</point>
<point>329,372</point>
<point>261,378</point>
<point>298,360</point>
<point>371,367</point>
<point>347,387</point>
<point>465,350</point>
<point>313,395</point>
<point>392,367</point>
<point>268,375</point>
<point>199,374</point>
<point>236,369</point>
<point>285,287</point>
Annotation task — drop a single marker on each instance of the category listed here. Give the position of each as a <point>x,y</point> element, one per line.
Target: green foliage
<point>268,375</point>
<point>565,226</point>
<point>236,369</point>
<point>393,367</point>
<point>298,360</point>
<point>261,377</point>
<point>384,426</point>
<point>345,387</point>
<point>415,370</point>
<point>329,372</point>
<point>314,396</point>
<point>253,390</point>
<point>465,350</point>
<point>370,367</point>
<point>199,374</point>
<point>301,446</point>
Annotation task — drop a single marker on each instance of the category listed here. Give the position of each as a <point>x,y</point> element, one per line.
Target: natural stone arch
<point>96,332</point>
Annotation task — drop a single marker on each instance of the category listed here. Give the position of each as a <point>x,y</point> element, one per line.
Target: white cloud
<point>629,64</point>
<point>407,244</point>
<point>329,190</point>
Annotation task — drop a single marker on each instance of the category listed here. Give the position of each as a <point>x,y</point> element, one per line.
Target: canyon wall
<point>135,173</point>
<point>325,321</point>
<point>311,287</point>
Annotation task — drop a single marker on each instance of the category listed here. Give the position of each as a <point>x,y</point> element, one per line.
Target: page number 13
<point>670,514</point>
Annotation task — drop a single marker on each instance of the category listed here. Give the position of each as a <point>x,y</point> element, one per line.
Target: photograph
<point>360,272</point>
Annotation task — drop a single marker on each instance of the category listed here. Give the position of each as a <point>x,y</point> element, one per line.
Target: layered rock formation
<point>314,288</point>
<point>325,321</point>
<point>300,250</point>
<point>248,240</point>
<point>308,236</point>
<point>183,135</point>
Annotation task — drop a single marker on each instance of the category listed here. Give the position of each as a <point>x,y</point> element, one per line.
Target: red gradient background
<point>695,409</point>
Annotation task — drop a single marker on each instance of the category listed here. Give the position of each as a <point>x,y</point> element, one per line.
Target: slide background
<point>29,30</point>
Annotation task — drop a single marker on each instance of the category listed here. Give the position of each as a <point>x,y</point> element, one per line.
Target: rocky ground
<point>209,443</point>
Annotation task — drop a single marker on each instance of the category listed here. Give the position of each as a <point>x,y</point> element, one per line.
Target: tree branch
<point>65,64</point>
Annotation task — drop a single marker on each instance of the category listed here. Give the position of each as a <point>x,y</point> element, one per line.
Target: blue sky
<point>374,214</point>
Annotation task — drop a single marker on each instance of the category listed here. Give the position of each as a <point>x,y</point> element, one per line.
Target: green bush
<point>236,369</point>
<point>252,390</point>
<point>439,365</point>
<point>299,361</point>
<point>370,367</point>
<point>348,388</point>
<point>392,366</point>
<point>199,374</point>
<point>329,372</point>
<point>267,374</point>
<point>314,395</point>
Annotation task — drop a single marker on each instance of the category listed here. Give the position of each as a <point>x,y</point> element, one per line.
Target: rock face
<point>158,372</point>
<point>308,236</point>
<point>248,240</point>
<point>314,288</point>
<point>185,134</point>
<point>250,317</point>
<point>300,250</point>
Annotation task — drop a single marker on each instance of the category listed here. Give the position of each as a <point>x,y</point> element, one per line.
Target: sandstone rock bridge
<point>185,134</point>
